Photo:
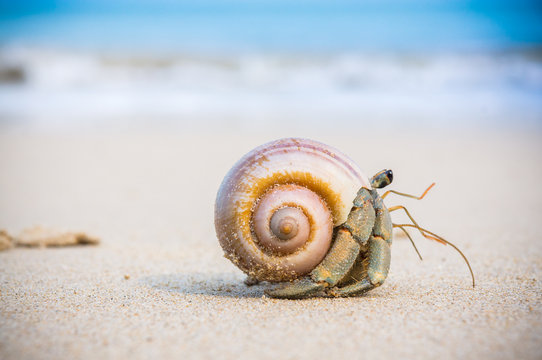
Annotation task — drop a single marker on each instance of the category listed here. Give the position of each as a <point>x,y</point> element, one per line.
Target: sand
<point>158,286</point>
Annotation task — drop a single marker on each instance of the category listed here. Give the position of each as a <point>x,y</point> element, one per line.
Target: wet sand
<point>158,286</point>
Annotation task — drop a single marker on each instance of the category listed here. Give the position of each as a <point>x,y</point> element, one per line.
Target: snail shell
<point>276,208</point>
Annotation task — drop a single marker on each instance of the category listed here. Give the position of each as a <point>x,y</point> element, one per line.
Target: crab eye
<point>389,173</point>
<point>382,179</point>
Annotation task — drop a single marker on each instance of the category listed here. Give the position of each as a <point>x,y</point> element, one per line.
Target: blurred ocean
<point>247,65</point>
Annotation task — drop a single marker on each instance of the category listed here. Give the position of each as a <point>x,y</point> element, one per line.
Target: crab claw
<point>299,289</point>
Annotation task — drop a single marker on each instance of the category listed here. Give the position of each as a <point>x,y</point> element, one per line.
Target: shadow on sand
<point>220,285</point>
<point>196,283</point>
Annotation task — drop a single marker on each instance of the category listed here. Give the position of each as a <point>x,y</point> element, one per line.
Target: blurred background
<point>120,118</point>
<point>238,65</point>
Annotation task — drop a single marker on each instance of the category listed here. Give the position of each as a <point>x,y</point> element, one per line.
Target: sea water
<point>244,65</point>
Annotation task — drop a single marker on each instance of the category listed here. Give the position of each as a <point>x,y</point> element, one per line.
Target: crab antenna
<point>440,239</point>
<point>408,195</point>
<point>410,238</point>
<point>401,207</point>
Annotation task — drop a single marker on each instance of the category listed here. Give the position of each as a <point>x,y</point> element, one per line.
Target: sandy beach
<point>119,120</point>
<point>158,286</point>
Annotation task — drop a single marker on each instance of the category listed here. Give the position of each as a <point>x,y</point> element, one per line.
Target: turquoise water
<point>262,64</point>
<point>266,26</point>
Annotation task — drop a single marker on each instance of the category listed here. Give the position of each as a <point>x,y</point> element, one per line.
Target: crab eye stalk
<point>382,179</point>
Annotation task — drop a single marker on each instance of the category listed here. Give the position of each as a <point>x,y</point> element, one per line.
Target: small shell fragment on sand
<point>6,241</point>
<point>39,236</point>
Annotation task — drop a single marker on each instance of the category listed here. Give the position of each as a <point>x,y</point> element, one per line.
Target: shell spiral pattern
<point>276,208</point>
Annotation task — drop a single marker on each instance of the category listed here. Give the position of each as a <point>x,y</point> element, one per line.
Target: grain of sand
<point>158,287</point>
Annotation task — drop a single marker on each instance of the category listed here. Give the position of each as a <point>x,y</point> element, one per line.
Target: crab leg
<point>337,262</point>
<point>379,254</point>
<point>358,270</point>
<point>251,281</point>
<point>377,272</point>
<point>351,236</point>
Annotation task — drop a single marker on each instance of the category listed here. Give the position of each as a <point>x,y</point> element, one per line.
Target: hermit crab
<point>301,212</point>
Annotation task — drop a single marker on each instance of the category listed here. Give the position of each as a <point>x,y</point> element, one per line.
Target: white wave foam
<point>70,87</point>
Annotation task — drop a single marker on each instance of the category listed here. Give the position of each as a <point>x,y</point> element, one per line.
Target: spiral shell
<point>276,208</point>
